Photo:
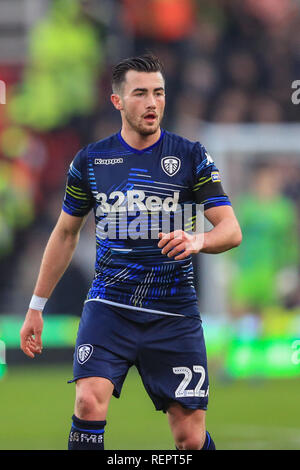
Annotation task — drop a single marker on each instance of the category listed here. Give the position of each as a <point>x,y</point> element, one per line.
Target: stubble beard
<point>141,129</point>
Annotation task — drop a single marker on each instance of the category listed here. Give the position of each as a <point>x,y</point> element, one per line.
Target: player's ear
<point>116,101</point>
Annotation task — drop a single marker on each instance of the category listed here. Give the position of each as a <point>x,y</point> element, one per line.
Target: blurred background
<point>230,67</point>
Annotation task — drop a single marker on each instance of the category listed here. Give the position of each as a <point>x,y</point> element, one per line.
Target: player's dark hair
<point>143,63</point>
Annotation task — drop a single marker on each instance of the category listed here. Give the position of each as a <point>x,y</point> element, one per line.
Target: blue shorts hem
<point>165,406</point>
<point>116,393</point>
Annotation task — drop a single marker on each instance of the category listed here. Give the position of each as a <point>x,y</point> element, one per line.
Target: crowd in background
<point>225,61</point>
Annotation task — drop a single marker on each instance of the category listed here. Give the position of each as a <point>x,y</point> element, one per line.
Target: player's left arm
<point>225,235</point>
<point>226,232</point>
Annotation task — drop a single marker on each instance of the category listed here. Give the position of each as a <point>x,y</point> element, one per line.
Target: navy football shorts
<point>169,353</point>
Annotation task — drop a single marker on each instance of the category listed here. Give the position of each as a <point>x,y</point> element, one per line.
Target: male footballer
<point>141,308</point>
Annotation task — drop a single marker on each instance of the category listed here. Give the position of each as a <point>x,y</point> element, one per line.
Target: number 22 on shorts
<point>181,390</point>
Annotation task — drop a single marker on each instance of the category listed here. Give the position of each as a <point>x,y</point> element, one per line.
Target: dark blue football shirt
<point>135,194</point>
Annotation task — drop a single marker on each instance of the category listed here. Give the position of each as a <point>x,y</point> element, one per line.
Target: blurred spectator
<point>265,266</point>
<point>265,109</point>
<point>233,107</point>
<point>241,70</point>
<point>59,81</point>
<point>272,13</point>
<point>161,20</point>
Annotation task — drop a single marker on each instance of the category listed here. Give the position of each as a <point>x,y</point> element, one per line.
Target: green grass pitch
<point>37,404</point>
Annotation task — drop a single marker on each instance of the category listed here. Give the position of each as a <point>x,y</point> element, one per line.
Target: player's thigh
<point>93,395</point>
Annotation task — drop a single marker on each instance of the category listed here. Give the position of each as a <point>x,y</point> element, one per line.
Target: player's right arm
<point>56,258</point>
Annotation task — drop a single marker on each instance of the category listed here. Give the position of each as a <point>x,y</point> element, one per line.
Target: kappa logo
<point>84,352</point>
<point>170,165</point>
<point>107,161</point>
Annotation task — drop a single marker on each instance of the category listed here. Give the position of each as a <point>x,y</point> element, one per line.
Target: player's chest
<point>140,176</point>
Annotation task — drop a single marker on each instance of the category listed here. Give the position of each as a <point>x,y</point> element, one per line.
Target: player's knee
<point>190,442</point>
<point>89,405</point>
<point>92,398</point>
<point>86,405</point>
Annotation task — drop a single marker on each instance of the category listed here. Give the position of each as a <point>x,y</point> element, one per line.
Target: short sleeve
<point>78,199</point>
<point>207,188</point>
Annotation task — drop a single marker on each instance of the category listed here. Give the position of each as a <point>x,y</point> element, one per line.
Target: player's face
<point>143,101</point>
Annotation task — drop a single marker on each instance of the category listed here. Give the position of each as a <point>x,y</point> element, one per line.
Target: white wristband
<point>38,303</point>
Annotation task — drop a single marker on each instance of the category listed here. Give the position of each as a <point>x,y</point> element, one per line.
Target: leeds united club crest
<point>170,165</point>
<point>84,352</point>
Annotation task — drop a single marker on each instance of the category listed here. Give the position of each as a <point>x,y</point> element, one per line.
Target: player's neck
<point>138,141</point>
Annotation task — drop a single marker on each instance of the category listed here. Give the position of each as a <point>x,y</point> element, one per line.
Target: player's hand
<point>180,242</point>
<point>31,333</point>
